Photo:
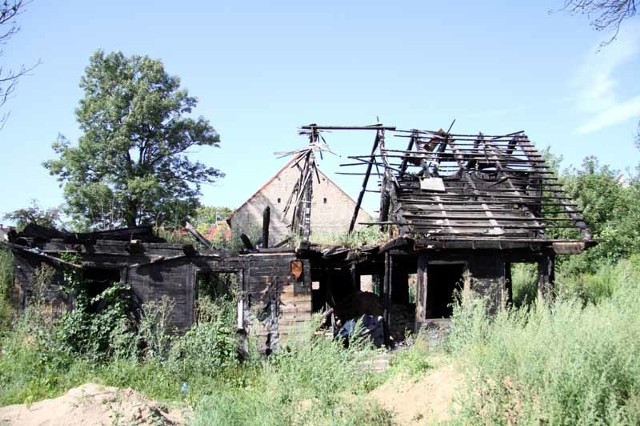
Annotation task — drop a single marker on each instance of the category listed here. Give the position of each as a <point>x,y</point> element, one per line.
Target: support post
<point>355,278</point>
<point>266,220</point>
<point>386,287</point>
<point>421,291</point>
<point>546,277</point>
<point>508,283</point>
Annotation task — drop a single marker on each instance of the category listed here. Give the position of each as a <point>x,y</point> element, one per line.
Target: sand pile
<point>92,404</point>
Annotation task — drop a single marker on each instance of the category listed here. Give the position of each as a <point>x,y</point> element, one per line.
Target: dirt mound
<point>92,404</point>
<point>424,401</point>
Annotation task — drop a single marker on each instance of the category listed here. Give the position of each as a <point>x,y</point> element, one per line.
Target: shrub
<point>206,348</point>
<point>100,326</point>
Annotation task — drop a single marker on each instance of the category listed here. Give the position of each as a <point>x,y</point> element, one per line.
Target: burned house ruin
<point>456,211</point>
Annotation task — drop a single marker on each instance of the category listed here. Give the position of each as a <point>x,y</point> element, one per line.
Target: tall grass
<point>6,282</point>
<point>569,362</point>
<point>313,380</point>
<point>524,277</point>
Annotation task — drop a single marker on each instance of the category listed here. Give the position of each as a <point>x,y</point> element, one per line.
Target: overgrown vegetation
<point>571,362</point>
<point>6,283</point>
<point>312,379</point>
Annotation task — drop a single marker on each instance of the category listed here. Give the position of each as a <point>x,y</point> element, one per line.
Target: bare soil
<point>426,400</point>
<point>92,404</point>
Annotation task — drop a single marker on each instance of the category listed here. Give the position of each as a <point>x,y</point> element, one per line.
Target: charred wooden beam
<point>37,252</point>
<point>463,202</point>
<point>421,291</point>
<point>386,287</point>
<point>426,209</point>
<point>502,198</point>
<point>372,127</point>
<point>458,136</point>
<point>198,236</point>
<point>266,220</point>
<point>378,139</point>
<point>403,164</point>
<point>247,242</point>
<point>413,214</point>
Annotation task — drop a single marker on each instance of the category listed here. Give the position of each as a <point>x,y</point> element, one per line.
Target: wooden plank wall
<point>295,303</point>
<point>274,301</point>
<point>174,279</point>
<point>488,279</point>
<point>54,301</point>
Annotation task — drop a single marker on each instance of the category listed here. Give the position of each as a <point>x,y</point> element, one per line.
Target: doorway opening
<point>442,282</point>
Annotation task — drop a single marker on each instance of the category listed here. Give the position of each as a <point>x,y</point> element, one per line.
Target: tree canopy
<point>130,165</point>
<point>611,206</point>
<point>49,217</point>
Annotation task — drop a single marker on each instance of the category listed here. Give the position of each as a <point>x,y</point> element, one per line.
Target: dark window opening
<point>278,200</point>
<point>96,282</point>
<point>324,200</point>
<point>216,285</point>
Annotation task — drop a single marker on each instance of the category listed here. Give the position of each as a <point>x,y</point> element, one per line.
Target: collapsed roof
<point>468,191</point>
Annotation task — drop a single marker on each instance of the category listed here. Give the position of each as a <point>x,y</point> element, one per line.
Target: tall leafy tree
<point>131,165</point>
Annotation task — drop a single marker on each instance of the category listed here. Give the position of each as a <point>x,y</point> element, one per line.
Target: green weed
<point>564,363</point>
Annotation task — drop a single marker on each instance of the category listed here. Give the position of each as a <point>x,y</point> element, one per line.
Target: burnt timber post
<point>266,219</point>
<point>379,137</point>
<point>546,276</point>
<point>421,291</point>
<point>508,282</point>
<point>355,279</point>
<point>386,287</point>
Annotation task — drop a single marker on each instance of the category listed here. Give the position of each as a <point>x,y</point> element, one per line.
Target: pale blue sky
<point>261,69</point>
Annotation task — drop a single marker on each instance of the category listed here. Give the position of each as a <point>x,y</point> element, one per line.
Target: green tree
<point>611,207</point>
<point>208,215</point>
<point>131,165</point>
<point>35,214</point>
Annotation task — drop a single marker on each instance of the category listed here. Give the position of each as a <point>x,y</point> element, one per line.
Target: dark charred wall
<point>174,279</point>
<point>274,288</point>
<point>275,301</point>
<point>28,283</point>
<point>488,272</point>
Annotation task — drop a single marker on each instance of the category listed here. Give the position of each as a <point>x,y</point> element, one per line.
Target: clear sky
<point>260,69</point>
